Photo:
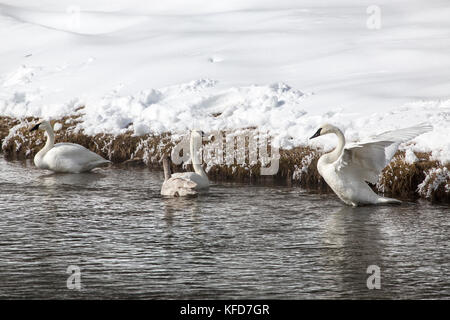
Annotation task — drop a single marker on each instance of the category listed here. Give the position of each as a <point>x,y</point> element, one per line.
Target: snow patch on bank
<point>197,104</point>
<point>435,178</point>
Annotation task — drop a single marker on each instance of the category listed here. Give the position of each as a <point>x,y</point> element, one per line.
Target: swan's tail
<point>99,164</point>
<point>384,200</point>
<point>166,166</point>
<point>104,163</point>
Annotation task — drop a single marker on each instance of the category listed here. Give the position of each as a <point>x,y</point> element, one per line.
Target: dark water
<point>239,241</point>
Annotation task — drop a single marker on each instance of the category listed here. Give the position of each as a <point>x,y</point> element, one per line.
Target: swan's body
<point>349,167</point>
<point>186,183</point>
<point>65,157</point>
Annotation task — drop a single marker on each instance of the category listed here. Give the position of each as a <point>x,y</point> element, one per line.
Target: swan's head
<point>42,125</point>
<point>324,129</point>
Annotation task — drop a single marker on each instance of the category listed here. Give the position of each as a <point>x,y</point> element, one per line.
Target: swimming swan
<point>347,168</point>
<point>186,183</point>
<point>65,157</point>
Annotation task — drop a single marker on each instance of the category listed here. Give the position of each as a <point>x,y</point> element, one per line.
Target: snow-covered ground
<point>284,66</point>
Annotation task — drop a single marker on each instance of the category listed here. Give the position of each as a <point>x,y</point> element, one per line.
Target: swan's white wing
<point>184,175</point>
<point>399,136</point>
<point>178,186</point>
<point>403,135</point>
<point>201,182</point>
<point>184,184</point>
<point>367,160</point>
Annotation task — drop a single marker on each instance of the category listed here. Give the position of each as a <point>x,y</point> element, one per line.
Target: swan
<point>186,183</point>
<point>65,157</point>
<point>348,167</point>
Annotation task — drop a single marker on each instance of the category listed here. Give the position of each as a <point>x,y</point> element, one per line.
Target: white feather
<point>370,158</point>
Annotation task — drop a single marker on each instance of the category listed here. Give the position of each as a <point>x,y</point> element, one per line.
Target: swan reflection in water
<point>78,179</point>
<point>72,187</point>
<point>180,207</point>
<point>353,242</point>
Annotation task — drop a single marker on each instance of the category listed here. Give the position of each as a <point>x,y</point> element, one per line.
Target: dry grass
<point>401,179</point>
<point>299,165</point>
<point>296,166</point>
<point>6,123</point>
<point>123,148</point>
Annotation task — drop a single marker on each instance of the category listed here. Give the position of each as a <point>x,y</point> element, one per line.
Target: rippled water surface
<point>239,241</point>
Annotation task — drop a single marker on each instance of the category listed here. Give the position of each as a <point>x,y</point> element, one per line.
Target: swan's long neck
<point>336,153</point>
<point>49,143</point>
<point>195,146</point>
<point>166,167</point>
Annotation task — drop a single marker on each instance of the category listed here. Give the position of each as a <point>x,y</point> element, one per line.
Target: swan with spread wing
<point>349,167</point>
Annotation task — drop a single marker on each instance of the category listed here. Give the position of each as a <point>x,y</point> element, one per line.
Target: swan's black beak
<point>35,127</point>
<point>316,134</point>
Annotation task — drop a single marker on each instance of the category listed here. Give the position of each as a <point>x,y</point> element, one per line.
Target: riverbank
<point>410,175</point>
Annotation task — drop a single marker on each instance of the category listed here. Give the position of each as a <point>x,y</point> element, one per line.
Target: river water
<point>237,242</point>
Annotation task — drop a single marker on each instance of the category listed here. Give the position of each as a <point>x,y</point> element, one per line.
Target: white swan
<point>186,183</point>
<point>347,168</point>
<point>65,157</point>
